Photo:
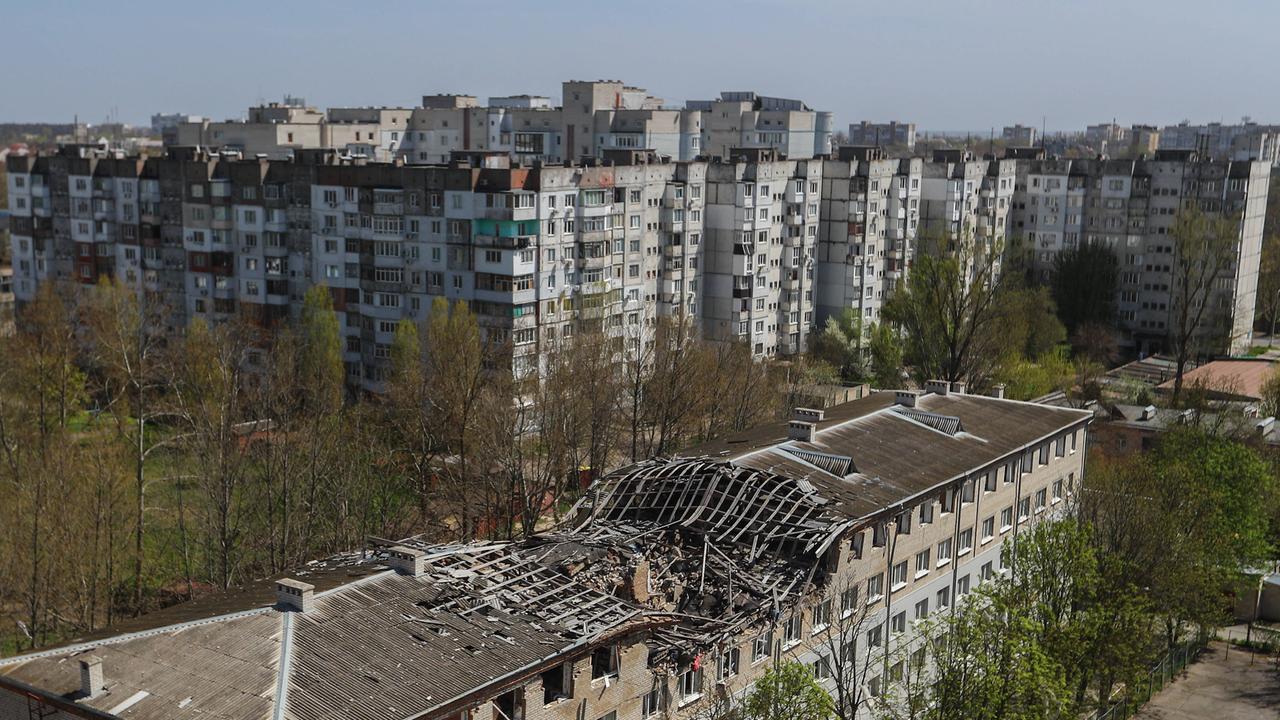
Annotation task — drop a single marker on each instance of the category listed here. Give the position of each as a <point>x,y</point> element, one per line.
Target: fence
<point>1161,674</point>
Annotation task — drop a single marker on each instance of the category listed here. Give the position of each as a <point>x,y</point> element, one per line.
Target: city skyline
<point>1087,76</point>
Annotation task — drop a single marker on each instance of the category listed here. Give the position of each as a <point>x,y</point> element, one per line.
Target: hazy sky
<point>948,64</point>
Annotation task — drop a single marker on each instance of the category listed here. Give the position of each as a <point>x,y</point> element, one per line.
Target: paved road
<point>1220,686</point>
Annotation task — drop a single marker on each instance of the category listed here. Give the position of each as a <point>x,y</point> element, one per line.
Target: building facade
<point>1131,206</point>
<point>594,117</point>
<point>837,534</point>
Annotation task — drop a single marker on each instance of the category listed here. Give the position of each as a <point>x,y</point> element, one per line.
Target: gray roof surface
<point>377,645</point>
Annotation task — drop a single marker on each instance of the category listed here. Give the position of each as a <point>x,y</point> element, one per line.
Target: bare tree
<point>1203,251</point>
<point>126,353</point>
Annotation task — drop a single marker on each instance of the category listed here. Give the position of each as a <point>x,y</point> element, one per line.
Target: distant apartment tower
<point>594,117</point>
<point>1241,142</point>
<point>161,122</point>
<point>869,218</point>
<point>1019,135</point>
<point>277,130</point>
<point>1131,206</point>
<point>883,134</point>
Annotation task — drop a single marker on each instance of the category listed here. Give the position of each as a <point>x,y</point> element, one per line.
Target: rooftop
<point>679,552</point>
<point>1234,379</point>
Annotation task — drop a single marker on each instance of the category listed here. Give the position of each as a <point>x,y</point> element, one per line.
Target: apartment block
<point>277,130</point>
<point>593,118</point>
<point>538,252</point>
<point>966,198</point>
<point>1240,142</point>
<point>762,228</point>
<point>1020,135</point>
<point>883,134</point>
<point>837,532</point>
<point>870,216</point>
<point>1131,206</point>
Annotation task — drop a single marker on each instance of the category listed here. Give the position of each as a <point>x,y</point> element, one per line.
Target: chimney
<point>937,387</point>
<point>802,431</point>
<point>407,561</point>
<point>957,387</point>
<point>1148,413</point>
<point>905,397</point>
<point>295,595</point>
<point>91,682</point>
<point>807,415</point>
<point>1264,426</point>
<point>998,391</point>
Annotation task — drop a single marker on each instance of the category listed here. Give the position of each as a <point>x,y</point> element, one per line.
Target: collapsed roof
<point>686,551</point>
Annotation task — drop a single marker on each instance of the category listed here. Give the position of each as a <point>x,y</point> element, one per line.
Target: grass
<point>1257,350</point>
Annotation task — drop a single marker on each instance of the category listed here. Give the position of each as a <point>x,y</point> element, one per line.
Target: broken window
<point>604,662</point>
<point>691,683</point>
<point>556,684</point>
<point>761,646</point>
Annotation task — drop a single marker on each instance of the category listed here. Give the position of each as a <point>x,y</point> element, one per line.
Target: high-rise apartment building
<point>870,216</point>
<point>594,117</point>
<point>883,134</point>
<point>1020,135</point>
<point>1131,206</point>
<point>968,199</point>
<point>1244,141</point>
<point>538,252</point>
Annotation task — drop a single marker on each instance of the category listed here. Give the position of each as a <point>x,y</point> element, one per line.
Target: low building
<point>674,586</point>
<point>1240,380</point>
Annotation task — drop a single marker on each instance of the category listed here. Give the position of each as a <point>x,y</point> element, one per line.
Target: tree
<point>1085,281</point>
<point>211,399</point>
<point>952,315</point>
<point>1268,293</point>
<point>886,357</point>
<point>126,352</point>
<point>842,345</point>
<point>1203,250</point>
<point>787,691</point>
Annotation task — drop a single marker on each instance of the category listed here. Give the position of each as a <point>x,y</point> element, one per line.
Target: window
<point>761,646</point>
<point>988,528</point>
<point>898,577</point>
<point>728,664</point>
<point>1006,519</point>
<point>1057,490</point>
<point>873,686</point>
<point>1024,509</point>
<point>1060,447</point>
<point>922,563</point>
<point>604,662</point>
<point>966,540</point>
<point>922,609</point>
<point>848,600</point>
<point>962,586</point>
<point>821,616</point>
<point>821,668</point>
<point>944,552</point>
<point>691,684</point>
<point>1044,454</point>
<point>875,588</point>
<point>899,623</point>
<point>792,630</point>
<point>875,636</point>
<point>944,597</point>
<point>651,706</point>
<point>926,512</point>
<point>986,572</point>
<point>1042,499</point>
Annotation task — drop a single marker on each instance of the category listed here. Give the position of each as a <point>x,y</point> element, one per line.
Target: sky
<point>943,64</point>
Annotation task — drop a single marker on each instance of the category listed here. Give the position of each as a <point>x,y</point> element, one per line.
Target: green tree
<point>787,691</point>
<point>886,357</point>
<point>952,315</point>
<point>321,356</point>
<point>1085,280</point>
<point>842,344</point>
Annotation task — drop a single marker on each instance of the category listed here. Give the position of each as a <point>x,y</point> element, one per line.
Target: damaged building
<point>670,589</point>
